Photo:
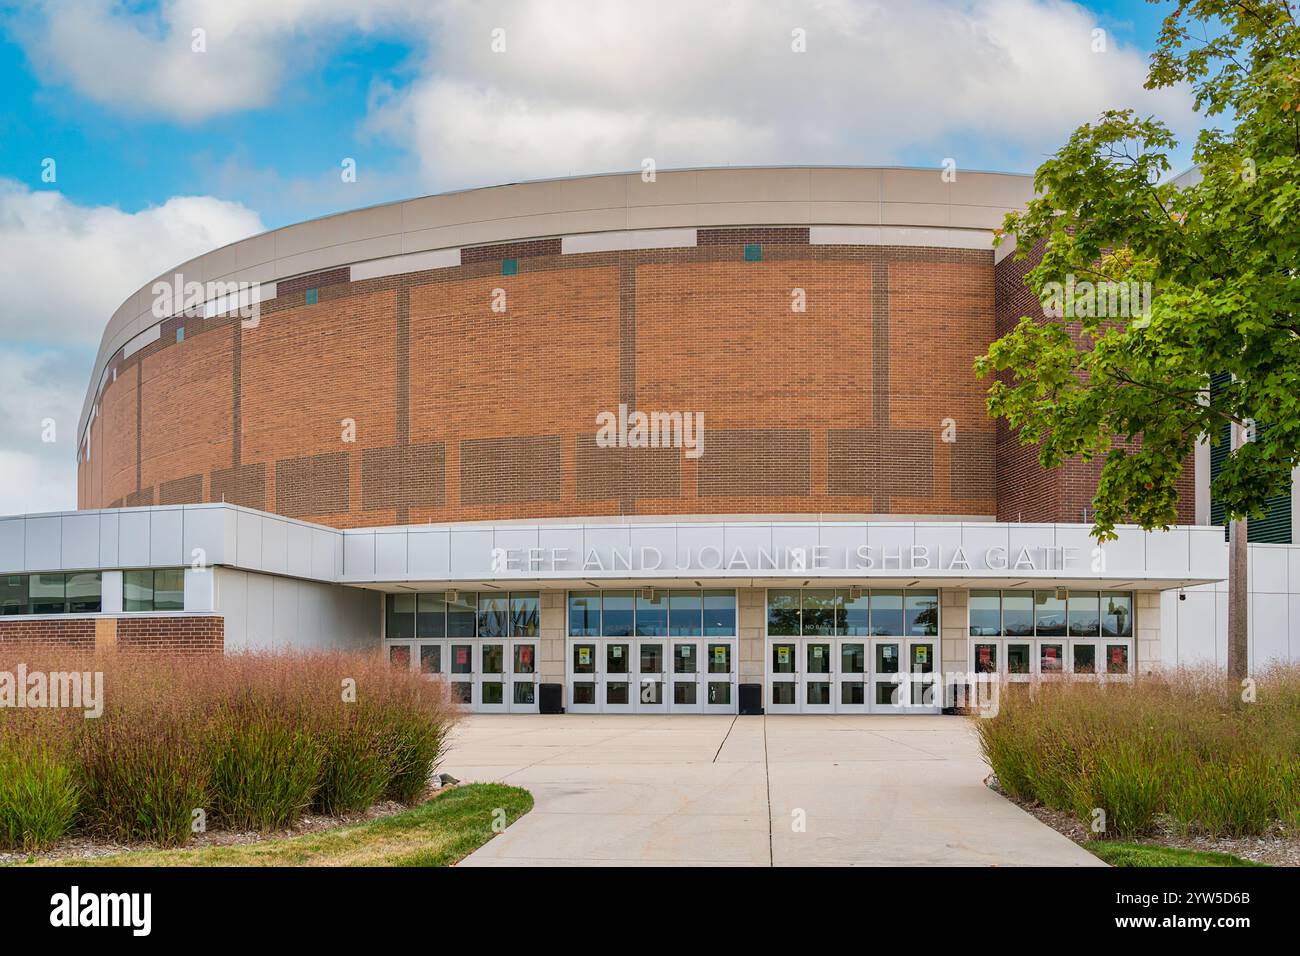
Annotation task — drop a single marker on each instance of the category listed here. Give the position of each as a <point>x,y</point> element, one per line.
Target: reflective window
<point>1116,614</point>
<point>400,624</point>
<point>1116,658</point>
<point>685,609</point>
<point>161,590</point>
<point>652,614</point>
<point>819,607</point>
<point>618,611</point>
<point>783,613</point>
<point>719,613</point>
<point>431,615</point>
<point>857,614</point>
<point>493,615</point>
<point>13,594</point>
<point>1049,614</point>
<point>986,658</point>
<point>46,593</point>
<point>1018,613</point>
<point>853,658</point>
<point>1085,613</point>
<point>922,609</point>
<point>584,614</point>
<point>1017,658</point>
<point>525,611</point>
<point>985,613</point>
<point>886,613</point>
<point>462,613</point>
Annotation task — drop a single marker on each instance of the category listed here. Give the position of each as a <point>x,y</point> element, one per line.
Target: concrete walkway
<point>751,791</point>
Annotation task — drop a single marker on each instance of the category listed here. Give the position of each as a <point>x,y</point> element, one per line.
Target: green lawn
<point>1140,854</point>
<point>437,833</point>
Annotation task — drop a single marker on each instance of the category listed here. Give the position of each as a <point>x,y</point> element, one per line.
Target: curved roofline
<point>893,197</point>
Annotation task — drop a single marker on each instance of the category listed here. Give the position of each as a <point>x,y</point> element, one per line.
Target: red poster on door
<point>1117,656</point>
<point>985,653</point>
<point>1049,653</point>
<point>526,656</point>
<point>462,655</point>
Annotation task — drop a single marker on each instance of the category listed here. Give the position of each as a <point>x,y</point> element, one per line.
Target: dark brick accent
<point>182,634</point>
<point>972,464</point>
<point>316,280</point>
<point>864,461</point>
<point>141,498</point>
<point>499,470</point>
<point>755,461</point>
<point>403,477</point>
<point>626,473</point>
<point>779,235</point>
<point>313,485</point>
<point>181,491</point>
<point>242,485</point>
<point>510,250</point>
<point>19,633</point>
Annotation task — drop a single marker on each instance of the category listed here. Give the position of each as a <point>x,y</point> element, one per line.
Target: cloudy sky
<point>160,151</point>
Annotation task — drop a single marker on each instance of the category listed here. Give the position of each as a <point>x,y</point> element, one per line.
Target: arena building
<point>621,443</point>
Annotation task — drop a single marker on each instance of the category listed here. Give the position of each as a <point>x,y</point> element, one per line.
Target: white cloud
<point>145,61</point>
<point>40,387</point>
<point>64,269</point>
<point>593,86</point>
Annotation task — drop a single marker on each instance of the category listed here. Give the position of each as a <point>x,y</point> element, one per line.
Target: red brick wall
<point>181,633</point>
<point>463,413</point>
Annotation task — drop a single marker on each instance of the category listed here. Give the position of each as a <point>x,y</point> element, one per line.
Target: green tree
<point>1221,253</point>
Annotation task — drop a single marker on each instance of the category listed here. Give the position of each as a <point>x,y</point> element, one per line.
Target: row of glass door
<point>853,676</point>
<point>487,676</point>
<point>652,676</point>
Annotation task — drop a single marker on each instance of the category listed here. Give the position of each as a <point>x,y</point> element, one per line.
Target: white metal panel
<point>275,545</point>
<point>79,547</point>
<point>205,528</point>
<point>298,549</point>
<point>390,553</point>
<point>109,522</point>
<point>13,544</point>
<point>42,544</point>
<point>359,555</point>
<point>166,533</point>
<point>248,540</point>
<point>133,539</point>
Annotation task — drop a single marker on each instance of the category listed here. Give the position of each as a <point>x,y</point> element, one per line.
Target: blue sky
<point>163,151</point>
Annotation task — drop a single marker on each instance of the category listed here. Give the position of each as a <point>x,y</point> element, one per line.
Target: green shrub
<point>416,744</point>
<point>1127,784</point>
<point>1181,744</point>
<point>265,769</point>
<point>39,795</point>
<point>356,767</point>
<point>145,776</point>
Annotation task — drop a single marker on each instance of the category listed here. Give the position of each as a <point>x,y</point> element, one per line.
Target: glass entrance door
<point>687,668</point>
<point>924,691</point>
<point>618,695</point>
<point>521,695</point>
<point>783,677</point>
<point>851,679</point>
<point>583,677</point>
<point>719,677</point>
<point>818,678</point>
<point>887,689</point>
<point>651,685</point>
<point>490,678</point>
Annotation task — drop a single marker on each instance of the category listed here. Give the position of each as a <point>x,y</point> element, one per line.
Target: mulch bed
<point>1276,848</point>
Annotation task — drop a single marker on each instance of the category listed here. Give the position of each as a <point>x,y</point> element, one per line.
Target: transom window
<point>852,612</point>
<point>431,615</point>
<point>652,612</point>
<point>1045,614</point>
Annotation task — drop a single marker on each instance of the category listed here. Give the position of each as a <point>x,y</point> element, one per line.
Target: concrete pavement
<point>756,791</point>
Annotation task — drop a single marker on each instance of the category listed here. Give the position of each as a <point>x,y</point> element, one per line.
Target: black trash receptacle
<point>550,699</point>
<point>751,699</point>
